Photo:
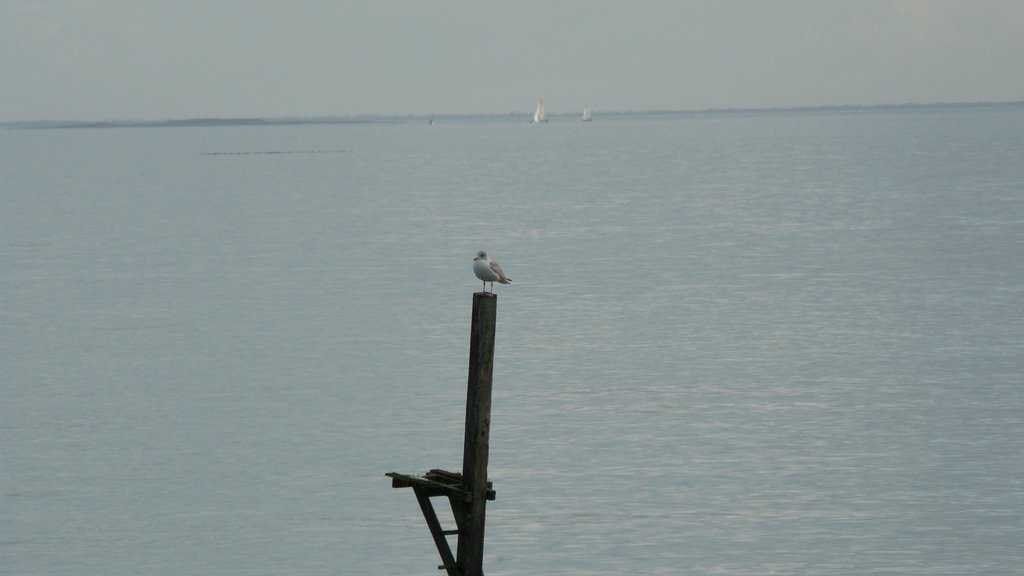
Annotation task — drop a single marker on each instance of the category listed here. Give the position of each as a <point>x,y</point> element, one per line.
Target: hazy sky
<point>149,59</point>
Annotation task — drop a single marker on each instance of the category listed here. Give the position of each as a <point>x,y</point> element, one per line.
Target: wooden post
<point>470,555</point>
<point>469,491</point>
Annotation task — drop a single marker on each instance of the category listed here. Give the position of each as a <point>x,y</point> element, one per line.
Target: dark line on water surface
<point>274,152</point>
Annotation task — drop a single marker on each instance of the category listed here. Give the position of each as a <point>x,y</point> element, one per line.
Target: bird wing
<point>502,279</point>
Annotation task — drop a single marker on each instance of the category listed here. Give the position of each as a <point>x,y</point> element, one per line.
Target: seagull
<point>489,271</point>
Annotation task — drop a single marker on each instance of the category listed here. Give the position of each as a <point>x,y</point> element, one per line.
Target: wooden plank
<point>438,488</point>
<point>456,479</point>
<point>440,540</point>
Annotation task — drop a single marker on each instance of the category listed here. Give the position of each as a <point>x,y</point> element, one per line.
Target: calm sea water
<point>771,343</point>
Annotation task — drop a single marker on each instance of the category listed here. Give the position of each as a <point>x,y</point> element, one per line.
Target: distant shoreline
<point>394,119</point>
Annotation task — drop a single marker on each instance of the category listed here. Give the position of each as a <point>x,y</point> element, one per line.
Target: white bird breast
<point>482,269</point>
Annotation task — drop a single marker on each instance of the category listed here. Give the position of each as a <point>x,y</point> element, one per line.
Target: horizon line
<point>376,117</point>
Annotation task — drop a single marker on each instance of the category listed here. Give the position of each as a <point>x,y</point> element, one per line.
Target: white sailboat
<point>539,115</point>
<point>587,116</point>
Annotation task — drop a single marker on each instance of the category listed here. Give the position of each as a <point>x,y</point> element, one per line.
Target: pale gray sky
<point>149,59</point>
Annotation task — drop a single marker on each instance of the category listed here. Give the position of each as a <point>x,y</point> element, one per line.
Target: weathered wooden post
<point>478,429</point>
<point>468,492</point>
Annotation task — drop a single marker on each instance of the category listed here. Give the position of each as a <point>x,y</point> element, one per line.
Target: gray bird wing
<point>501,273</point>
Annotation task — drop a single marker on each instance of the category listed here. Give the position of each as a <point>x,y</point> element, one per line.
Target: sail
<point>587,116</point>
<point>538,114</point>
